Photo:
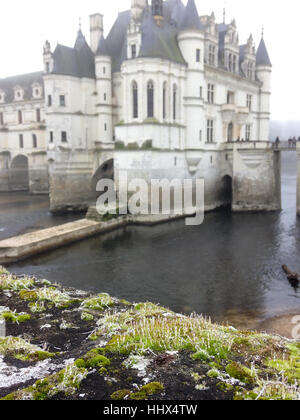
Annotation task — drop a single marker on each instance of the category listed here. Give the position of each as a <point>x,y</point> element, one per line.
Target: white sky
<point>25,25</point>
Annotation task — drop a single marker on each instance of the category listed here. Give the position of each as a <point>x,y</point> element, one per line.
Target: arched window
<point>165,100</point>
<point>174,102</point>
<point>135,106</point>
<point>150,100</point>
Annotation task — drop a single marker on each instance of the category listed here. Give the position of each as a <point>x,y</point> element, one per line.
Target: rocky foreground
<point>65,344</point>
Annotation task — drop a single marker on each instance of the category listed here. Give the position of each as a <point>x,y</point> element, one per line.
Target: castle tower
<point>264,72</point>
<point>191,43</point>
<point>104,90</point>
<point>47,58</point>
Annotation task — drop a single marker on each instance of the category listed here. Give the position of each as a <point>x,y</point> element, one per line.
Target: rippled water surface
<point>227,268</point>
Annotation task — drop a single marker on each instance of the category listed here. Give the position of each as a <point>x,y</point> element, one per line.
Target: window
<point>230,98</point>
<point>249,102</point>
<point>104,70</point>
<point>62,100</point>
<point>105,96</point>
<point>201,92</point>
<point>198,55</point>
<point>135,103</point>
<point>211,55</point>
<point>174,102</point>
<point>105,127</point>
<point>200,135</point>
<point>230,62</point>
<point>211,93</point>
<point>234,67</point>
<point>210,131</point>
<point>1,118</point>
<point>34,141</point>
<point>133,51</point>
<point>21,141</point>
<point>51,137</point>
<point>47,67</point>
<point>38,115</point>
<point>49,100</point>
<point>64,137</point>
<point>20,117</point>
<point>248,132</point>
<point>230,132</point>
<point>250,71</point>
<point>150,100</point>
<point>165,101</point>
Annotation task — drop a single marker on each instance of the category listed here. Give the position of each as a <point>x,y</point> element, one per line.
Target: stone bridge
<point>21,171</point>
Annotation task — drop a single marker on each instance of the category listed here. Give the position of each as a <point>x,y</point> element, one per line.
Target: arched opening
<point>19,174</point>
<point>105,171</point>
<point>230,132</point>
<point>227,190</point>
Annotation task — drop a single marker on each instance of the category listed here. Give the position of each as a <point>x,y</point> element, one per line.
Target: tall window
<point>133,51</point>
<point>49,100</point>
<point>62,100</point>
<point>51,139</point>
<point>38,115</point>
<point>21,141</point>
<point>64,137</point>
<point>249,102</point>
<point>135,103</point>
<point>211,55</point>
<point>248,132</point>
<point>165,101</point>
<point>230,132</point>
<point>34,141</point>
<point>210,131</point>
<point>201,92</point>
<point>211,93</point>
<point>230,98</point>
<point>1,118</point>
<point>20,117</point>
<point>150,100</point>
<point>174,102</point>
<point>230,62</point>
<point>198,55</point>
<point>234,67</point>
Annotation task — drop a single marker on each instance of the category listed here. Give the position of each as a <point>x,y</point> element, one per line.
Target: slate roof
<point>78,61</point>
<point>191,18</point>
<point>262,56</point>
<point>25,81</point>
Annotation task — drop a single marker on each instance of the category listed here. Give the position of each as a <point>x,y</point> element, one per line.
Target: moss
<point>37,307</point>
<point>225,387</point>
<point>240,372</point>
<point>214,373</point>
<point>87,317</point>
<point>138,396</point>
<point>103,371</point>
<point>66,381</point>
<point>93,359</point>
<point>98,303</point>
<point>10,282</point>
<point>28,295</point>
<point>120,395</point>
<point>152,388</point>
<point>147,145</point>
<point>14,317</point>
<point>22,350</point>
<point>289,367</point>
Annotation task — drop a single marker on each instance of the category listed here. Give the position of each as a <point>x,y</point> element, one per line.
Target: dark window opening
<point>20,117</point>
<point>38,115</point>
<point>21,141</point>
<point>133,51</point>
<point>51,137</point>
<point>150,100</point>
<point>49,100</point>
<point>64,138</point>
<point>62,100</point>
<point>135,100</point>
<point>34,141</point>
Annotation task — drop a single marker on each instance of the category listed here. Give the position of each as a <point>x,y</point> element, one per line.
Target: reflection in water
<point>227,268</point>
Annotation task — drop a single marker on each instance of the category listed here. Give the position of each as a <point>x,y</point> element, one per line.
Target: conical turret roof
<point>262,56</point>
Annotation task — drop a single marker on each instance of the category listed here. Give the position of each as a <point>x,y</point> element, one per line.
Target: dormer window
<point>36,91</point>
<point>133,51</point>
<point>19,93</point>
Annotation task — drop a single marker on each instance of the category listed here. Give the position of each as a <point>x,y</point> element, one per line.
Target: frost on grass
<point>22,350</point>
<point>10,282</point>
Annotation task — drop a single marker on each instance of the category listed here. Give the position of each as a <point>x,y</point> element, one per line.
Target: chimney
<point>96,30</point>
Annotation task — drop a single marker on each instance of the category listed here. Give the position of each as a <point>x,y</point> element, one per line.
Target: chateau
<point>167,94</point>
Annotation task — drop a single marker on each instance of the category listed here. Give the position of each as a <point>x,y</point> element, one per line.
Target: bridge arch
<point>227,190</point>
<point>19,173</point>
<point>104,171</point>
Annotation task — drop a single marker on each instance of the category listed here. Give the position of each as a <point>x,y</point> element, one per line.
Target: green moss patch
<point>22,350</point>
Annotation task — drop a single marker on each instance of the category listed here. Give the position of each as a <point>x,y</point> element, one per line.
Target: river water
<point>229,268</point>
